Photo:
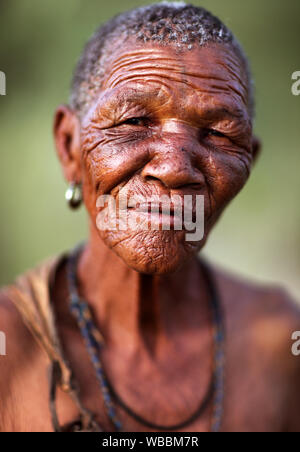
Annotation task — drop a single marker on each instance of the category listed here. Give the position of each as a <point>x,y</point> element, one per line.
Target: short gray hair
<point>166,22</point>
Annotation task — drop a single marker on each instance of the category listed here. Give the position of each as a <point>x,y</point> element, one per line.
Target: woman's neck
<point>137,310</point>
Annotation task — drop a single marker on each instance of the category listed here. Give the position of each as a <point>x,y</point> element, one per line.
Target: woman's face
<point>164,123</point>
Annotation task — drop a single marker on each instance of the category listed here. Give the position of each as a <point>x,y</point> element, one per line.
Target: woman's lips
<point>160,214</point>
<point>156,208</point>
<point>155,217</point>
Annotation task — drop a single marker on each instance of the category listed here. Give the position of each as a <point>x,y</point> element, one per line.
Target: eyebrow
<point>142,98</point>
<point>220,112</point>
<point>134,97</point>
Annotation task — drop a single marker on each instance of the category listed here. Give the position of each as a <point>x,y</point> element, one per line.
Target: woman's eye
<point>214,133</point>
<point>135,121</point>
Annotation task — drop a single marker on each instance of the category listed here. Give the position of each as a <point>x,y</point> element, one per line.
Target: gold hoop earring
<point>74,195</point>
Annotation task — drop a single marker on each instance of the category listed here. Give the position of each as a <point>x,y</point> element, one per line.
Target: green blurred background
<point>258,236</point>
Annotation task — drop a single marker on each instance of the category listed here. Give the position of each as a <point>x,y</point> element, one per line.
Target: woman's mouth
<point>159,215</point>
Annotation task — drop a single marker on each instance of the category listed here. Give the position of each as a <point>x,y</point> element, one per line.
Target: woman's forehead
<point>143,74</point>
<point>138,61</point>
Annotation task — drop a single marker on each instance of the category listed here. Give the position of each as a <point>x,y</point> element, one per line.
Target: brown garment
<point>31,296</point>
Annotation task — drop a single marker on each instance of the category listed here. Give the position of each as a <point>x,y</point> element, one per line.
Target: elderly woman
<point>132,331</point>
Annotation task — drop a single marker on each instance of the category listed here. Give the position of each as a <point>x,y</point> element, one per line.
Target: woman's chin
<point>160,252</point>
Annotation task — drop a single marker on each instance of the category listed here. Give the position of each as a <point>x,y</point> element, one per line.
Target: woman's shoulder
<point>262,323</point>
<point>24,307</point>
<point>266,315</point>
<point>244,293</point>
<point>28,295</point>
<point>23,371</point>
<point>17,341</point>
<point>23,301</point>
<point>19,352</point>
<point>23,322</point>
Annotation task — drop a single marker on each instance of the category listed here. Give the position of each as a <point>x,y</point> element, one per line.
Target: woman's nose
<point>174,165</point>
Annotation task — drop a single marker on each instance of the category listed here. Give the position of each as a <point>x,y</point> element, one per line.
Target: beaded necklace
<point>94,343</point>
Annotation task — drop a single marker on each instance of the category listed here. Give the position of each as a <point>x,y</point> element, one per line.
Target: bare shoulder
<point>17,342</point>
<point>258,306</point>
<point>263,326</point>
<point>19,352</point>
<point>12,325</point>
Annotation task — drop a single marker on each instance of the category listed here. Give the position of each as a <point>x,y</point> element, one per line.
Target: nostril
<point>195,186</point>
<point>152,178</point>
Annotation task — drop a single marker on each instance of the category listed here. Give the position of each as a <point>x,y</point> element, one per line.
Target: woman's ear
<point>256,148</point>
<point>67,141</point>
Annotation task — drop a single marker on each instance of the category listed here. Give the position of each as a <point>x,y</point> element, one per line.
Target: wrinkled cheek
<point>230,179</point>
<point>90,175</point>
<point>111,165</point>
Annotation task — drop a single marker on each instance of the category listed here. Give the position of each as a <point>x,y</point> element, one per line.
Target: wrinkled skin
<point>192,134</point>
<point>167,124</point>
